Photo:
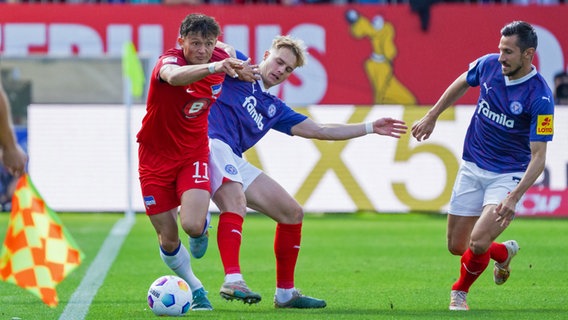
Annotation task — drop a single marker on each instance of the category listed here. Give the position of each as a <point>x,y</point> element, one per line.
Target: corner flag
<point>38,252</point>
<point>132,69</point>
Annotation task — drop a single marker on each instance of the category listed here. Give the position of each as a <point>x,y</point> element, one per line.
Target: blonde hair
<point>297,46</point>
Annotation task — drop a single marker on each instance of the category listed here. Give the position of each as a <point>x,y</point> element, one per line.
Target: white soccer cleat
<point>458,301</point>
<point>501,271</point>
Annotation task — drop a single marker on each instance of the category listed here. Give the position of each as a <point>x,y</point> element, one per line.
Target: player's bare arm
<point>422,129</point>
<point>330,131</point>
<point>229,66</point>
<point>183,75</point>
<point>12,155</point>
<point>506,209</point>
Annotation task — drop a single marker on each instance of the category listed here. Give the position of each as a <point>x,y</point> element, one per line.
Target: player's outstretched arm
<point>333,131</point>
<point>422,129</point>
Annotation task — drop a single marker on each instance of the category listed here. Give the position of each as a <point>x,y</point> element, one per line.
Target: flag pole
<point>127,92</point>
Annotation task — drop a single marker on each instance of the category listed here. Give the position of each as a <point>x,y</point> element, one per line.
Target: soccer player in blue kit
<point>242,115</point>
<point>504,153</point>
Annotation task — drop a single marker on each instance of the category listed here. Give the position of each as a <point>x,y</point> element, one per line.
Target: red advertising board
<point>359,54</point>
<point>541,201</point>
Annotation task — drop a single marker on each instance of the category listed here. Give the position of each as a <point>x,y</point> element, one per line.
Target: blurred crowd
<point>561,88</point>
<point>414,3</point>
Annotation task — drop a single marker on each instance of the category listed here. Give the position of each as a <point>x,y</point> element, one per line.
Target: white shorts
<point>475,188</point>
<point>224,165</point>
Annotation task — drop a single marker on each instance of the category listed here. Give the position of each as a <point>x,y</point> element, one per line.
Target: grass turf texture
<point>366,266</point>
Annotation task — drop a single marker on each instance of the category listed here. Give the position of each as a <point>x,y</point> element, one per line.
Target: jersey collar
<point>521,80</point>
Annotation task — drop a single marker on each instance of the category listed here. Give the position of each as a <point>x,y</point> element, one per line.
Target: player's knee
<point>456,250</point>
<point>193,228</point>
<point>478,247</point>
<point>169,245</point>
<point>457,245</point>
<point>231,201</point>
<point>297,214</point>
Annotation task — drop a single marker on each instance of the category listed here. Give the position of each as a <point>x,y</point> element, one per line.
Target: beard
<point>511,72</point>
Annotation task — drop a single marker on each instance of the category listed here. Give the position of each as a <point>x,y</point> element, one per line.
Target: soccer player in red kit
<point>173,143</point>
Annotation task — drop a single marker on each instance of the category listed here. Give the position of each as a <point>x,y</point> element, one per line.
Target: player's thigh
<point>486,230</point>
<point>266,195</point>
<point>230,197</point>
<point>193,211</point>
<point>459,231</point>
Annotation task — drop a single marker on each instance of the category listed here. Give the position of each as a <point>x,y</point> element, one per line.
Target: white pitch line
<point>80,301</point>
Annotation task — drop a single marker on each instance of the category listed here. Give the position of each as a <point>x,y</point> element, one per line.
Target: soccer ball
<point>169,296</point>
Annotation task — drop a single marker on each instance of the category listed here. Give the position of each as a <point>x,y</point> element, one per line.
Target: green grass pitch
<point>366,266</point>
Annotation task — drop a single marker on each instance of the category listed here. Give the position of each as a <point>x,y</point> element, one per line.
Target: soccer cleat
<point>239,290</point>
<point>501,271</point>
<point>300,301</point>
<point>200,301</point>
<point>198,246</point>
<point>458,300</point>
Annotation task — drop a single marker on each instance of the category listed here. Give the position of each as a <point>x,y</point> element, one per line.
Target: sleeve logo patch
<point>545,125</point>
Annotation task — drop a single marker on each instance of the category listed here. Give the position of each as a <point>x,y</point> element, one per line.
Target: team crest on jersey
<point>271,110</point>
<point>516,107</point>
<point>169,60</point>
<point>149,201</point>
<point>545,125</point>
<point>216,89</point>
<point>230,169</point>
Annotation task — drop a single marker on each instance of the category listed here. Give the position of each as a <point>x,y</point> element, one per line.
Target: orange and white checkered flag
<point>38,252</point>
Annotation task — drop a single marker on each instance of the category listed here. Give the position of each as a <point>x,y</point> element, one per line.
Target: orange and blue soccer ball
<point>169,296</point>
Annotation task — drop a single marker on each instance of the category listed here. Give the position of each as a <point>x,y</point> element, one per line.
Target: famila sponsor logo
<point>499,118</point>
<point>250,106</point>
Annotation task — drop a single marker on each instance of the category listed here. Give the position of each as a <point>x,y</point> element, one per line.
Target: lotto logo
<point>545,125</point>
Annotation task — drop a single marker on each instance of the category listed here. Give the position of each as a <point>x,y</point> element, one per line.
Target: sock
<point>234,277</point>
<point>286,248</point>
<point>284,295</point>
<point>498,252</point>
<point>472,266</point>
<point>229,237</point>
<point>179,262</point>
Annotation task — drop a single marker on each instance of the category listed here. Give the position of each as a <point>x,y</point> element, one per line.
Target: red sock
<point>229,236</point>
<point>472,266</point>
<point>286,248</point>
<point>498,252</point>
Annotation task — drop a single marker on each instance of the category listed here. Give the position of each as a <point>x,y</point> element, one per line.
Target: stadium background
<point>67,59</point>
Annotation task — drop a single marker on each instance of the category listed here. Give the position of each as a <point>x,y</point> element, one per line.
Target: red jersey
<point>175,123</point>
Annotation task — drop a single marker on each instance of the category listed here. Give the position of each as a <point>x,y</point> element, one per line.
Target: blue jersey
<point>244,112</point>
<point>509,115</point>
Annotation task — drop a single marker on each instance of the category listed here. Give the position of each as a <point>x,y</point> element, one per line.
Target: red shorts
<point>164,180</point>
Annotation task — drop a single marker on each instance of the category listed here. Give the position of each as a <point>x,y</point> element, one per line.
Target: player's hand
<point>14,159</point>
<point>249,72</point>
<point>505,211</point>
<point>422,129</point>
<point>390,127</point>
<point>229,66</point>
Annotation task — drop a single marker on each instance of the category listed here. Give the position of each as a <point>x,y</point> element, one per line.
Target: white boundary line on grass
<point>80,301</point>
